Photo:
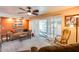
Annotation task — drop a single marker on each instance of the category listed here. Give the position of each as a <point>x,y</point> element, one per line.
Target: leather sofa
<point>67,48</point>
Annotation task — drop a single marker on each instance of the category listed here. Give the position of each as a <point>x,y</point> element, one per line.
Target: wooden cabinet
<point>18,25</point>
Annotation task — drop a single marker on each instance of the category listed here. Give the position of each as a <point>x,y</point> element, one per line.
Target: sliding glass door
<point>50,27</point>
<point>56,26</point>
<point>43,28</point>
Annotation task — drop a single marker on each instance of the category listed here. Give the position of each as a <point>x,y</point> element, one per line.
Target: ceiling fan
<point>29,11</point>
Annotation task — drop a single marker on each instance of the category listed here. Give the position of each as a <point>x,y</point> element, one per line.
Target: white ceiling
<point>13,10</point>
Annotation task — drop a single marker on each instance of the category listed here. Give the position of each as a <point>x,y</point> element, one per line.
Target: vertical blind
<point>56,28</point>
<point>50,27</point>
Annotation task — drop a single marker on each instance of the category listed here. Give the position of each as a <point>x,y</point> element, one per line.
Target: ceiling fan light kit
<point>28,13</point>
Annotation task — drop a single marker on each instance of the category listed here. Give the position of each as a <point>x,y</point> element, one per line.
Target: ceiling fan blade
<point>36,10</point>
<point>29,10</point>
<point>21,12</point>
<point>29,7</point>
<point>22,9</point>
<point>34,13</point>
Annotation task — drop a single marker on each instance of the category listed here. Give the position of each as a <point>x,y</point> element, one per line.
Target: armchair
<point>64,38</point>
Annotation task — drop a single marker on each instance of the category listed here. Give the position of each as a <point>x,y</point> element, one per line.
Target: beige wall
<point>72,38</point>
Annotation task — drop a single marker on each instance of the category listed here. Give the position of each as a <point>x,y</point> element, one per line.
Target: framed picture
<point>71,19</point>
<point>67,20</point>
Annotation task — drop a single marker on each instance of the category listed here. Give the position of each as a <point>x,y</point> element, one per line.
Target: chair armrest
<point>57,38</point>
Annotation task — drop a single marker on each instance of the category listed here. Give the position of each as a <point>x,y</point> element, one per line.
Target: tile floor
<point>17,45</point>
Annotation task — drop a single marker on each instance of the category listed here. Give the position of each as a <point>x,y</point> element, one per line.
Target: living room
<point>20,31</point>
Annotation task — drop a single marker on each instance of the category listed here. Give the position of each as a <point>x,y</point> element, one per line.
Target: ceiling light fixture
<point>28,13</point>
